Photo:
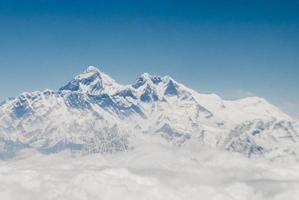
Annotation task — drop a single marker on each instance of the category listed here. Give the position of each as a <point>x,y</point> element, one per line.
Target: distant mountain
<point>94,114</point>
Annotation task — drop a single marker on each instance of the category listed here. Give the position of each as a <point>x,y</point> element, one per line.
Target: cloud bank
<point>150,172</point>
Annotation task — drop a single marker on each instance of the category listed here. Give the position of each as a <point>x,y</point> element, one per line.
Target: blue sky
<point>233,48</point>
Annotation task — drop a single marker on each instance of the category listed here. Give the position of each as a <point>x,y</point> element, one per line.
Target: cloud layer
<point>150,172</point>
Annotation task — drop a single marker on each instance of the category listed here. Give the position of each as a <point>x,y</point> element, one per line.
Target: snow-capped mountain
<point>93,113</point>
<point>92,81</point>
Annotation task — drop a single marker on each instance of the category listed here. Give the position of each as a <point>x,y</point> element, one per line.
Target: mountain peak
<point>92,81</point>
<point>146,74</point>
<point>147,78</point>
<point>91,69</point>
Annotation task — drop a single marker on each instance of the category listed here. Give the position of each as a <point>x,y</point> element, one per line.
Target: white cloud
<point>150,172</point>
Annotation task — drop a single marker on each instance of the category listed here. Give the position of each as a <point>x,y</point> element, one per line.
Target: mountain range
<point>94,114</point>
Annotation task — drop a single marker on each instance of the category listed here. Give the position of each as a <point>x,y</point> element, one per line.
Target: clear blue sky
<point>233,48</point>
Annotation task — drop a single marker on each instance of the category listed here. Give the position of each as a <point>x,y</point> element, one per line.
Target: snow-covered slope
<point>93,113</point>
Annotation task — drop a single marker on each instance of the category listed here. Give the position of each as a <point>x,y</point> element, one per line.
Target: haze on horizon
<point>234,49</point>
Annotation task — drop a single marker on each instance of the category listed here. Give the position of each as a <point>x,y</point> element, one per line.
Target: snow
<point>92,81</point>
<point>154,139</point>
<point>93,105</point>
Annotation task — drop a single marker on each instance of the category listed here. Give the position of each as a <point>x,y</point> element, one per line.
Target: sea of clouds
<point>148,172</point>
